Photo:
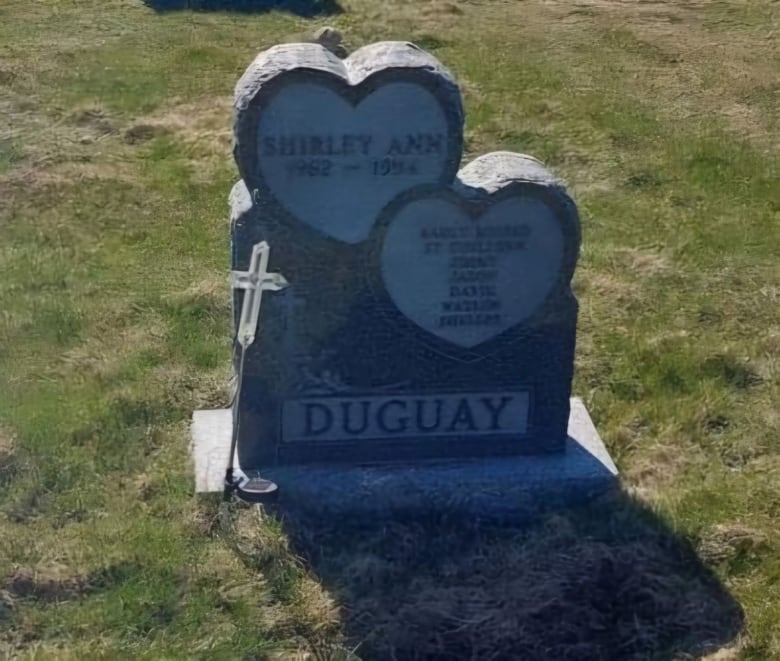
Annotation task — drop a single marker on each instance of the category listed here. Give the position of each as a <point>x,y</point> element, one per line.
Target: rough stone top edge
<point>357,67</point>
<point>270,63</point>
<point>491,172</point>
<point>393,54</point>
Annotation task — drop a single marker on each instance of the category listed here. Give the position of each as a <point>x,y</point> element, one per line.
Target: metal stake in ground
<point>254,282</point>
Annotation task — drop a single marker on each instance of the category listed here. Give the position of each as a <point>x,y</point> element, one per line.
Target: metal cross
<point>254,282</point>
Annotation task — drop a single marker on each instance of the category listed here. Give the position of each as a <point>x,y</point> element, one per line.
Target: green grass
<point>114,321</point>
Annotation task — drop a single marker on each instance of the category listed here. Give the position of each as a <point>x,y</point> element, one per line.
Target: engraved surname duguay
<point>405,416</point>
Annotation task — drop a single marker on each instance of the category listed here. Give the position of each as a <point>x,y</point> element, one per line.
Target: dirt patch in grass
<point>213,291</point>
<point>725,542</point>
<point>105,354</point>
<point>643,262</point>
<point>612,288</point>
<point>6,443</point>
<point>45,176</point>
<point>139,133</point>
<point>204,124</point>
<point>53,583</point>
<point>185,390</point>
<point>7,464</point>
<point>655,469</point>
<point>95,120</point>
<point>62,149</point>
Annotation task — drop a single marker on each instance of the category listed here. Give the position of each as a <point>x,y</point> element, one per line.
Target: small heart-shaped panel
<point>335,141</point>
<point>470,262</point>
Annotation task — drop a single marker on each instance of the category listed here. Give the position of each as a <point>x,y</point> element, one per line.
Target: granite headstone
<point>429,315</point>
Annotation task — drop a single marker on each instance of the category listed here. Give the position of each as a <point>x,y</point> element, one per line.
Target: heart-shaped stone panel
<point>335,141</point>
<point>470,262</point>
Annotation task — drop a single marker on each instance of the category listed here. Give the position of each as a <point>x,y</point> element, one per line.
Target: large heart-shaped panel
<point>335,141</point>
<point>468,264</point>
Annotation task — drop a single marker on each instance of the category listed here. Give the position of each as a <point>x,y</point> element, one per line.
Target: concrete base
<point>500,488</point>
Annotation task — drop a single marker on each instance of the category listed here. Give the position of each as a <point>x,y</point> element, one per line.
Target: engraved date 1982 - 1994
<point>323,167</point>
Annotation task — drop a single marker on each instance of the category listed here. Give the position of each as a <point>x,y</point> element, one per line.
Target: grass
<point>114,320</point>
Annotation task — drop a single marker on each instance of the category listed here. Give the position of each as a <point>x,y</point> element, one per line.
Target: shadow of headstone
<point>304,8</point>
<point>605,581</point>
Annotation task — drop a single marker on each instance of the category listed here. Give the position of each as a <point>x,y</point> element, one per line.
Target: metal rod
<point>230,483</point>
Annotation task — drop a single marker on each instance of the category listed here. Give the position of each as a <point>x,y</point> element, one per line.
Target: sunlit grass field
<point>115,166</point>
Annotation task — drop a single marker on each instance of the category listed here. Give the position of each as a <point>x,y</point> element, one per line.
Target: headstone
<point>427,334</point>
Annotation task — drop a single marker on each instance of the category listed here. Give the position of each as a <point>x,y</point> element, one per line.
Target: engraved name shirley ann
<point>325,155</point>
